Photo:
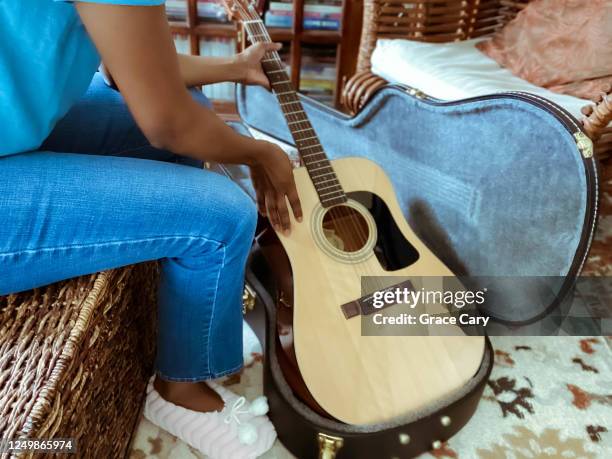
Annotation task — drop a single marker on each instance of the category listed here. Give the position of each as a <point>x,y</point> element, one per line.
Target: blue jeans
<point>98,196</point>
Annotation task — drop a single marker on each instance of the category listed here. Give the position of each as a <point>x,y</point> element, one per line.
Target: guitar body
<point>353,233</point>
<point>364,379</point>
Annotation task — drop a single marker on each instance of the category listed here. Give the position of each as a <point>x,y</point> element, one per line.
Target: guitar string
<point>276,59</point>
<point>339,213</point>
<point>358,237</point>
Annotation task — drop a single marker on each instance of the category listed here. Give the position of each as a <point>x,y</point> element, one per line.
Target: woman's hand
<point>249,62</point>
<point>274,185</point>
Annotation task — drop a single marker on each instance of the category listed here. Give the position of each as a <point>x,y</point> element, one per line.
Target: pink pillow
<point>555,42</point>
<point>585,89</point>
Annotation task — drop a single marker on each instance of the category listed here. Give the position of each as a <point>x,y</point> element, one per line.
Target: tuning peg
<point>253,7</point>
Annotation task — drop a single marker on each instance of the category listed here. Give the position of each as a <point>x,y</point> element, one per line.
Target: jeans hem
<point>206,377</point>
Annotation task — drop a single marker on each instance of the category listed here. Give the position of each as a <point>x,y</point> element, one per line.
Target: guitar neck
<point>306,140</point>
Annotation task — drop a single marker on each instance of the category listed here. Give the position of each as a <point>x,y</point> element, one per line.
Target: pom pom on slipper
<point>259,406</point>
<point>247,434</point>
<point>235,432</point>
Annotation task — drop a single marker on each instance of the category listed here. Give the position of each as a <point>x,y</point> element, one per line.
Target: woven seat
<point>75,357</point>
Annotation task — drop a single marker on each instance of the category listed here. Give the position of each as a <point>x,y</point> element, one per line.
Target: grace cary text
<point>428,319</point>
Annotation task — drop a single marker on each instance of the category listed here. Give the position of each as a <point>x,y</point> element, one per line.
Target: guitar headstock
<point>241,10</point>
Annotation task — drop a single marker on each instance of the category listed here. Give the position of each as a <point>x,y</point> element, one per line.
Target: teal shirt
<point>47,61</point>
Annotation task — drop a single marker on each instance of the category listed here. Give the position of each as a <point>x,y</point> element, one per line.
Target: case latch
<point>248,299</point>
<point>585,144</point>
<point>329,446</point>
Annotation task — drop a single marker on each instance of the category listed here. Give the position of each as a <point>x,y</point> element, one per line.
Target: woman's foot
<point>197,396</point>
<point>238,431</point>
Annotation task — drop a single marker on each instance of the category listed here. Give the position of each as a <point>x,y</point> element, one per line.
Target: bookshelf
<point>194,34</point>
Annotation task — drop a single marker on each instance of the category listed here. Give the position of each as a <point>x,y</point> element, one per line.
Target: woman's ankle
<point>196,396</point>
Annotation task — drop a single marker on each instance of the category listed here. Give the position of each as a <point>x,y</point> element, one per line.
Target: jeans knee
<point>248,219</point>
<point>244,215</point>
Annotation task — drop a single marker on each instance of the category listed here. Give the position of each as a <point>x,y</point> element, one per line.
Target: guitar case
<point>501,185</point>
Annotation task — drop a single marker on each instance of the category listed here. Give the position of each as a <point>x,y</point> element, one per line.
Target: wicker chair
<point>444,21</point>
<point>75,358</point>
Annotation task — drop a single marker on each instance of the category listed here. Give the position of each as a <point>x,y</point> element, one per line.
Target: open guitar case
<point>503,185</point>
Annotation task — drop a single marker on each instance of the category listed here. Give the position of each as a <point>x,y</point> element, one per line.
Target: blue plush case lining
<point>494,187</point>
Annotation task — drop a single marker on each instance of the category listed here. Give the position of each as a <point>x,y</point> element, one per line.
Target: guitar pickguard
<point>392,249</point>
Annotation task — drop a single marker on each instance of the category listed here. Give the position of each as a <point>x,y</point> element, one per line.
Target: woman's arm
<point>201,70</point>
<point>244,67</point>
<point>137,48</point>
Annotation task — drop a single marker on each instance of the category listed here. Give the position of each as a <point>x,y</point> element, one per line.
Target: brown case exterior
<point>559,141</point>
<point>307,434</point>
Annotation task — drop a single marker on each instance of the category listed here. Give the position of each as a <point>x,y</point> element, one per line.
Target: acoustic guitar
<point>353,230</point>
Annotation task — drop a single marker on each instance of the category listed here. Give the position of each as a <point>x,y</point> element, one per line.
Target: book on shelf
<point>181,43</point>
<point>278,21</point>
<point>176,10</point>
<point>318,73</point>
<point>321,24</point>
<point>212,11</point>
<point>317,15</point>
<point>218,47</point>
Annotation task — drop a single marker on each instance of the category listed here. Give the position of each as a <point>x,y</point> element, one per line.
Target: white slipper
<point>240,431</point>
<point>250,344</point>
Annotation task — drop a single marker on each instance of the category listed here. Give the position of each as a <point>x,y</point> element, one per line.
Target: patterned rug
<point>547,397</point>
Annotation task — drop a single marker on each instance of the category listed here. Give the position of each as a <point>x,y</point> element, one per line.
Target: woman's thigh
<point>100,123</point>
<point>65,215</point>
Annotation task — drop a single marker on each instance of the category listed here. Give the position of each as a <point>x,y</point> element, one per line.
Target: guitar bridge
<point>364,306</point>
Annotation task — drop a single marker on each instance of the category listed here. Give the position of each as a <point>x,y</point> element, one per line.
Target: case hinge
<point>585,144</point>
<point>416,93</point>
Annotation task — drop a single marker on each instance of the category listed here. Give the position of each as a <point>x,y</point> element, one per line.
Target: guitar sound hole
<point>345,229</point>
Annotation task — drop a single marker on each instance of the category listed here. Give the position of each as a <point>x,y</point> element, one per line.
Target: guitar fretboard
<point>306,140</point>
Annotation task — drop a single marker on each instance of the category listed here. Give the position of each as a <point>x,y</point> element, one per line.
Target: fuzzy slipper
<point>250,344</point>
<point>240,431</point>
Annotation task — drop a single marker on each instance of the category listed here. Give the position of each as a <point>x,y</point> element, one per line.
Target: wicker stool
<point>75,357</point>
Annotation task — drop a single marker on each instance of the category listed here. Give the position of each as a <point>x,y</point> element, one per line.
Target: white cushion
<point>452,71</point>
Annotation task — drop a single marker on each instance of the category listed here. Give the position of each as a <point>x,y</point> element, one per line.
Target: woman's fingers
<point>260,192</point>
<point>272,46</point>
<point>278,214</point>
<point>280,188</point>
<point>278,211</point>
<point>272,211</point>
<point>286,187</point>
<point>294,200</point>
<point>267,47</point>
<point>261,200</point>
<point>283,213</point>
